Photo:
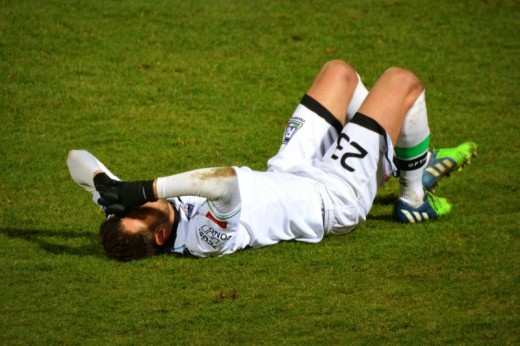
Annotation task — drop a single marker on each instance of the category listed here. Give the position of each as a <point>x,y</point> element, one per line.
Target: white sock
<point>360,93</point>
<point>411,152</point>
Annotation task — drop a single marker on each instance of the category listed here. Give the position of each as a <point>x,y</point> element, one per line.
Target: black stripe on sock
<point>323,112</point>
<point>410,165</point>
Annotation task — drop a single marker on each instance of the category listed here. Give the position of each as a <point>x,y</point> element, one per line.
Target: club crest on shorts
<point>291,127</point>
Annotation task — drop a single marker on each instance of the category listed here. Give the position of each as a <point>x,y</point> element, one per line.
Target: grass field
<point>157,87</point>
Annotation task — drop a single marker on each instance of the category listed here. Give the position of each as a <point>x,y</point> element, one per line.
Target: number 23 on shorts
<point>361,152</point>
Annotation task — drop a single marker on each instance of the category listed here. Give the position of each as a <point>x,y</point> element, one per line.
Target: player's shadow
<point>84,243</point>
<point>385,200</point>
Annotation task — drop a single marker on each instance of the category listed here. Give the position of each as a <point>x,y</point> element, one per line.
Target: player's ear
<point>161,235</point>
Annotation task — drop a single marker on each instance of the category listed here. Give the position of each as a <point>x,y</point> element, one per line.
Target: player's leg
<point>339,89</point>
<point>397,104</point>
<point>418,168</point>
<point>320,116</point>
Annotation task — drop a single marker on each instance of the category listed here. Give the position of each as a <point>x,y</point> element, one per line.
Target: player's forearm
<point>219,185</point>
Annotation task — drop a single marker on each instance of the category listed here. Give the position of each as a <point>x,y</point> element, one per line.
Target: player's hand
<point>103,182</point>
<point>119,197</point>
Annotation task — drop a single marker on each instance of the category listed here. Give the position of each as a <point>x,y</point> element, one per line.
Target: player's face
<point>148,217</point>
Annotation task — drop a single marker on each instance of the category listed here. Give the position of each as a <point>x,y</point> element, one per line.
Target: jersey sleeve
<point>218,185</point>
<point>82,166</point>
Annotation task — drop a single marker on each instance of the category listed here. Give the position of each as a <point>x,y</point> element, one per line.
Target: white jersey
<point>275,207</point>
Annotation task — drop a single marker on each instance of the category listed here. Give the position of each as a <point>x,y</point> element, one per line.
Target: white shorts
<point>351,163</point>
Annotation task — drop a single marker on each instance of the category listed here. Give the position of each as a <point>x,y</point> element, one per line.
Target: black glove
<point>119,197</point>
<point>103,182</point>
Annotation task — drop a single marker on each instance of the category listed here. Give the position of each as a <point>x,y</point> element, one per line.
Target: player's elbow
<point>74,153</point>
<point>71,156</point>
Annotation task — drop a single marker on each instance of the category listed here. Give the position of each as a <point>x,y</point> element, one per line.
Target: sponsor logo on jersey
<point>291,127</point>
<point>211,236</point>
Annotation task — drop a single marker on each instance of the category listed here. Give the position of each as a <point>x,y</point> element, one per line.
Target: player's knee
<point>341,70</point>
<point>404,81</point>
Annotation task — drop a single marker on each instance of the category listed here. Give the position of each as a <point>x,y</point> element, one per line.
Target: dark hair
<point>125,246</point>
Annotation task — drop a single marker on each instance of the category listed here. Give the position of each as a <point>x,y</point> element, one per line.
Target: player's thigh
<point>307,135</point>
<point>362,159</point>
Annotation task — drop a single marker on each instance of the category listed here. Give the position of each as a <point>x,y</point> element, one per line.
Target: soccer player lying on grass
<point>338,148</point>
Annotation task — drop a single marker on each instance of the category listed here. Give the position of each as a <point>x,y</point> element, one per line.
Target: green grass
<point>158,87</point>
